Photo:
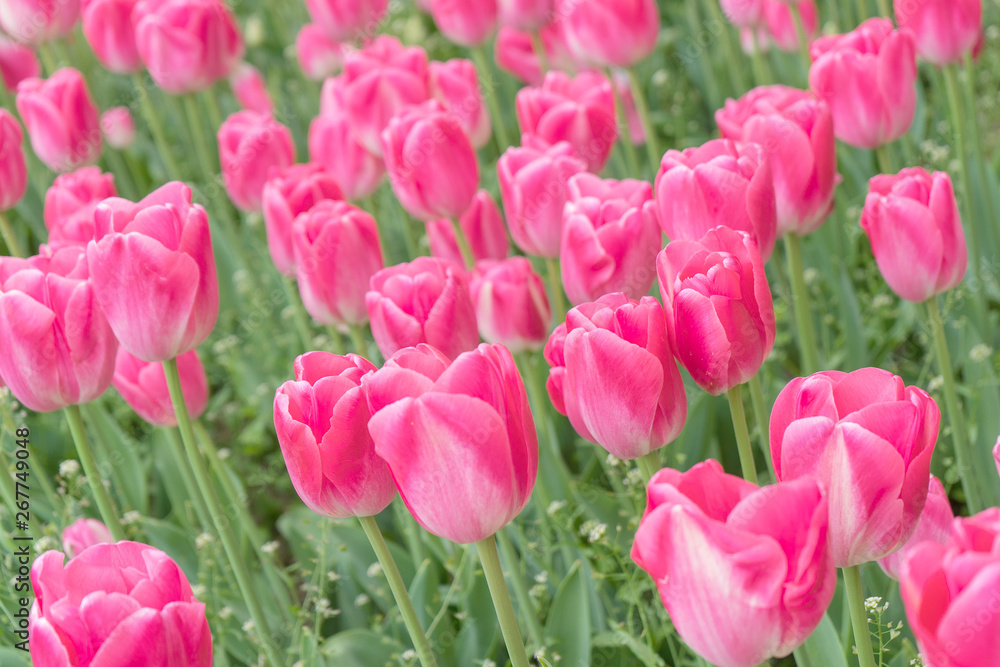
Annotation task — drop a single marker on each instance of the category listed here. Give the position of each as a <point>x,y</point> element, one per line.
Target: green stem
<point>800,303</point>
<point>977,141</point>
<point>221,521</point>
<point>862,9</point>
<point>558,296</point>
<point>520,590</point>
<point>156,128</point>
<point>298,313</point>
<point>358,341</point>
<point>760,413</point>
<point>761,70</point>
<point>735,66</point>
<point>735,396</point>
<point>214,113</point>
<point>490,89</point>
<point>642,106</point>
<point>859,616</point>
<point>884,9</point>
<point>89,463</point>
<point>177,451</point>
<point>649,464</point>
<point>623,133</point>
<point>501,601</point>
<point>539,46</point>
<point>800,31</point>
<point>399,592</point>
<point>336,341</point>
<point>123,175</point>
<point>49,61</point>
<point>201,143</point>
<point>7,232</point>
<point>884,159</point>
<point>463,245</point>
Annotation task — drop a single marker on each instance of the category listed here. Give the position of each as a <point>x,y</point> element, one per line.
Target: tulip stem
<point>298,312</point>
<point>358,340</point>
<point>800,303</point>
<point>489,86</point>
<point>862,8</point>
<point>859,616</point>
<point>463,245</point>
<point>649,464</point>
<point>739,415</point>
<point>623,133</point>
<point>884,9</point>
<point>399,592</point>
<point>538,44</point>
<point>642,106</point>
<point>490,559</point>
<point>558,296</point>
<point>884,159</point>
<point>760,413</point>
<point>761,71</point>
<point>200,140</point>
<point>521,591</point>
<point>13,247</point>
<point>90,469</point>
<point>800,31</point>
<point>190,485</point>
<point>336,340</point>
<point>156,128</point>
<point>219,518</point>
<point>959,434</point>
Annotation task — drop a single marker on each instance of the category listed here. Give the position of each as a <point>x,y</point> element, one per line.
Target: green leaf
<point>12,657</point>
<point>620,639</point>
<point>822,649</point>
<point>361,648</point>
<point>568,626</point>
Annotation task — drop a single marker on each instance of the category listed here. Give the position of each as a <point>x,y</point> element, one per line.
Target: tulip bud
<point>483,227</point>
<point>779,24</point>
<point>83,534</point>
<point>515,53</point>
<point>250,89</point>
<point>944,30</point>
<point>455,85</point>
<point>346,20</point>
<point>526,15</point>
<point>17,63</point>
<point>251,144</point>
<point>611,34</point>
<point>143,385</point>
<point>118,127</point>
<point>465,22</point>
<point>333,144</point>
<point>319,56</point>
<point>934,525</point>
<point>511,306</point>
<point>71,201</point>
<point>108,27</point>
<point>743,13</point>
<point>13,168</point>
<point>38,21</point>
<point>62,120</point>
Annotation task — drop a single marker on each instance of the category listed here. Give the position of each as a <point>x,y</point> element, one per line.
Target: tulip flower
<point>38,21</point>
<point>611,34</point>
<point>868,77</point>
<point>118,127</point>
<point>796,131</point>
<point>250,89</point>
<point>322,422</point>
<point>476,413</point>
<point>614,375</point>
<point>251,144</point>
<point>187,45</point>
<point>721,182</point>
<point>483,226</point>
<point>779,24</point>
<point>62,120</point>
<point>71,201</point>
<point>431,162</point>
<point>153,272</point>
<point>944,31</point>
<point>718,306</point>
<point>934,525</point>
<point>455,84</point>
<point>526,15</point>
<point>143,385</point>
<point>17,63</point>
<point>139,604</point>
<point>336,253</point>
<point>515,53</point>
<point>465,22</point>
<point>411,372</point>
<point>868,439</point>
<point>610,238</point>
<point>108,27</point>
<point>346,20</point>
<point>744,572</point>
<point>580,111</point>
<point>13,168</point>
<point>319,56</point>
<point>511,306</point>
<point>424,301</point>
<point>83,534</point>
<point>533,189</point>
<point>58,348</point>
<point>743,13</point>
<point>334,144</point>
<point>913,224</point>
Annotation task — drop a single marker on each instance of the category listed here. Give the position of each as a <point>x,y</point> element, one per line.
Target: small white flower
<point>248,626</point>
<point>980,352</point>
<point>333,576</point>
<point>810,275</point>
<point>131,517</point>
<point>69,468</point>
<point>224,453</point>
<point>225,612</point>
<point>881,301</point>
<point>199,591</point>
<point>542,577</point>
<point>271,547</point>
<point>375,570</point>
<point>203,540</point>
<point>408,655</point>
<point>361,600</point>
<point>936,383</point>
<point>555,507</point>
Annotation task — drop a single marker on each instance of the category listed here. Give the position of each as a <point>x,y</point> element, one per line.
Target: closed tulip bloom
<point>319,56</point>
<point>744,572</point>
<point>424,301</point>
<point>333,144</point>
<point>287,194</point>
<point>796,131</point>
<point>116,604</point>
<point>153,272</point>
<point>719,183</point>
<point>38,21</point>
<point>611,34</point>
<point>944,30</point>
<point>455,84</point>
<point>868,77</point>
<point>346,20</point>
<point>322,422</point>
<point>251,144</point>
<point>533,188</point>
<point>83,534</point>
<point>118,127</point>
<point>868,439</point>
<point>108,27</point>
<point>336,251</point>
<point>719,311</point>
<point>187,45</point>
<point>463,453</point>
<point>250,89</point>
<point>143,385</point>
<point>71,201</point>
<point>515,53</point>
<point>483,226</point>
<point>13,168</point>
<point>511,306</point>
<point>465,22</point>
<point>743,13</point>
<point>58,348</point>
<point>525,14</point>
<point>580,111</point>
<point>610,238</point>
<point>779,24</point>
<point>431,162</point>
<point>17,63</point>
<point>915,230</point>
<point>62,120</point>
<point>934,525</point>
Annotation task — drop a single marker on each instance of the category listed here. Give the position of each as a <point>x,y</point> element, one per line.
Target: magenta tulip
<point>465,22</point>
<point>511,306</point>
<point>83,534</point>
<point>251,145</point>
<point>526,14</point>
<point>515,53</point>
<point>779,24</point>
<point>934,525</point>
<point>13,168</point>
<point>118,127</point>
<point>17,63</point>
<point>250,89</point>
<point>38,21</point>
<point>611,34</point>
<point>483,226</point>
<point>143,385</point>
<point>319,56</point>
<point>945,31</point>
<point>346,20</point>
<point>108,27</point>
<point>62,120</point>
<point>455,84</point>
<point>410,372</point>
<point>71,201</point>
<point>743,13</point>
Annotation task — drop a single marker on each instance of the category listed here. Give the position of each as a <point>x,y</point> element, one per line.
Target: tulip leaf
<point>622,644</point>
<point>119,453</point>
<point>12,657</point>
<point>173,541</point>
<point>822,649</point>
<point>567,629</point>
<point>361,648</point>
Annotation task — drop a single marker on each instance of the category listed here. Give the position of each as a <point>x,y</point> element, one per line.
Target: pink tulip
<point>916,233</point>
<point>868,439</point>
<point>411,372</point>
<point>465,22</point>
<point>62,120</point>
<point>744,572</point>
<point>934,525</point>
<point>38,21</point>
<point>483,226</point>
<point>720,316</point>
<point>511,306</point>
<point>346,20</point>
<point>463,452</point>
<point>944,30</point>
<point>636,132</point>
<point>455,85</point>
<point>580,111</point>
<point>187,45</point>
<point>526,14</point>
<point>250,89</point>
<point>71,201</point>
<point>951,593</point>
<point>319,56</point>
<point>337,252</point>
<point>322,422</point>
<point>287,194</point>
<point>13,168</point>
<point>17,63</point>
<point>153,272</point>
<point>83,534</point>
<point>534,191</point>
<point>118,127</point>
<point>251,145</point>
<point>719,183</point>
<point>143,385</point>
<point>116,604</point>
<point>614,375</point>
<point>108,27</point>
<point>515,53</point>
<point>743,13</point>
<point>611,34</point>
<point>431,162</point>
<point>424,301</point>
<point>333,144</point>
<point>779,25</point>
<point>796,131</point>
<point>58,348</point>
<point>868,77</point>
